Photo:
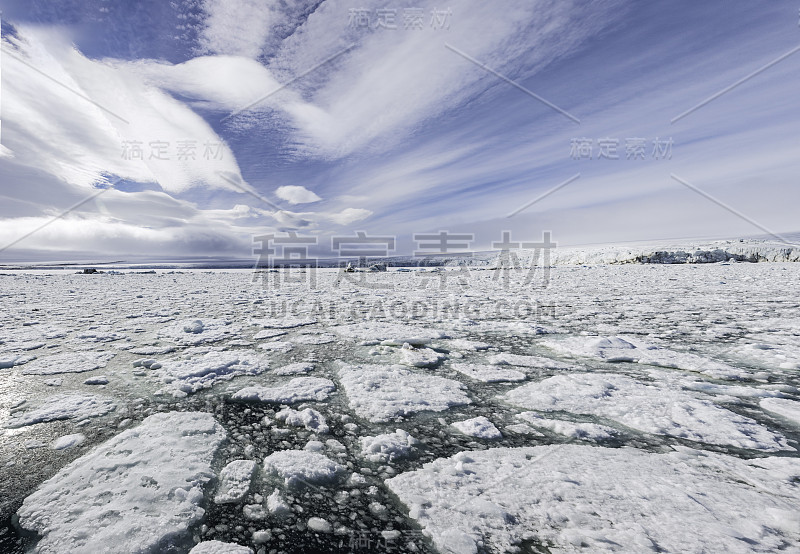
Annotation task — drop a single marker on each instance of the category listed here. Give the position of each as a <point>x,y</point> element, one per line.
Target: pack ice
<point>138,492</point>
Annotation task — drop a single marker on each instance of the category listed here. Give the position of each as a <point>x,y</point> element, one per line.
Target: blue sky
<point>397,133</point>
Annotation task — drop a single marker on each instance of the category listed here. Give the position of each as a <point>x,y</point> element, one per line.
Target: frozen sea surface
<point>629,408</point>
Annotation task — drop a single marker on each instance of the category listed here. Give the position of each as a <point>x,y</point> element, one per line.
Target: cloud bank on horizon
<point>215,121</point>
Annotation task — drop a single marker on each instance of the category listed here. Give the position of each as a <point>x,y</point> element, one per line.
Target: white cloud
<point>294,194</point>
<point>237,27</point>
<point>83,120</point>
<point>349,215</point>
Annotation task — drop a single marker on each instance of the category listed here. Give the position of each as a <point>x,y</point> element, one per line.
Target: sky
<point>187,129</point>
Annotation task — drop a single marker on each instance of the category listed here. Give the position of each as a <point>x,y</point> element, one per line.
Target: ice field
<point>625,408</point>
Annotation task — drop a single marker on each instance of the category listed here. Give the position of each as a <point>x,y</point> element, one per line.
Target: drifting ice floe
<point>296,467</point>
<point>651,407</point>
<point>308,418</point>
<point>202,372</point>
<point>380,393</point>
<point>138,492</point>
<point>388,447</point>
<point>234,481</point>
<point>478,427</point>
<point>570,498</point>
<point>298,389</point>
<point>569,429</point>
<point>789,409</point>
<point>219,547</point>
<point>63,406</point>
<point>67,362</point>
<point>629,349</point>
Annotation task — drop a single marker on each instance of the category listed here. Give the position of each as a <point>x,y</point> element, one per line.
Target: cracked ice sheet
<point>618,500</point>
<point>630,349</point>
<point>63,406</point>
<point>139,491</point>
<point>390,334</point>
<point>299,389</point>
<point>67,362</point>
<point>184,376</point>
<point>379,393</point>
<point>648,407</point>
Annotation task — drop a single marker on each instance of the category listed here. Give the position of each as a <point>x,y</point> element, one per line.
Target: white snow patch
<point>234,481</point>
<point>67,362</point>
<point>568,495</point>
<point>67,441</point>
<point>308,418</point>
<point>789,409</point>
<point>192,332</point>
<point>478,427</point>
<point>63,406</point>
<point>219,547</point>
<point>388,447</point>
<point>296,467</point>
<point>652,408</point>
<point>419,357</point>
<point>582,430</point>
<point>138,491</point>
<point>379,393</point>
<point>630,349</point>
<point>202,372</point>
<point>294,369</point>
<point>298,389</point>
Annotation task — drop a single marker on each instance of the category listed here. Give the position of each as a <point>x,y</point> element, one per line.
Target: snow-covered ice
<point>647,407</point>
<point>380,393</point>
<point>63,406</point>
<point>67,362</point>
<point>297,467</point>
<point>219,547</point>
<point>789,409</point>
<point>299,389</point>
<point>571,497</point>
<point>308,417</point>
<point>387,447</point>
<point>234,481</point>
<point>188,375</point>
<point>138,492</point>
<point>478,427</point>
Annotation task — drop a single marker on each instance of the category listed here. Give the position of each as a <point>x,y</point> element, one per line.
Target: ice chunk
<point>538,362</point>
<point>195,331</point>
<point>234,481</point>
<point>299,389</point>
<point>420,357</point>
<point>308,418</point>
<point>218,547</point>
<point>98,380</point>
<point>388,447</point>
<point>67,362</point>
<point>652,408</point>
<point>789,409</point>
<point>276,504</point>
<point>202,372</point>
<point>565,496</point>
<point>319,525</point>
<point>301,466</point>
<point>294,369</point>
<point>67,441</point>
<point>478,427</point>
<point>379,393</point>
<point>489,373</point>
<point>63,406</point>
<point>140,491</point>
